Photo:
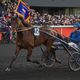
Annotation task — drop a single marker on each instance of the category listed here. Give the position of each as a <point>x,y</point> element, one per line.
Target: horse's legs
<point>50,52</point>
<point>47,54</point>
<point>29,55</point>
<point>13,59</point>
<point>48,48</point>
<point>53,54</point>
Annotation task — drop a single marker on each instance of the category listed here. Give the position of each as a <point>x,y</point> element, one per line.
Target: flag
<point>23,10</point>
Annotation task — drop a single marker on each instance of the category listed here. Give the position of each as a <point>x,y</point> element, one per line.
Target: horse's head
<point>18,22</point>
<point>15,22</point>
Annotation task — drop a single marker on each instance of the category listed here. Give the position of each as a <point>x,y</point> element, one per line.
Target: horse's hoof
<point>36,62</point>
<point>48,63</point>
<point>41,67</point>
<point>28,60</point>
<point>58,61</point>
<point>7,69</point>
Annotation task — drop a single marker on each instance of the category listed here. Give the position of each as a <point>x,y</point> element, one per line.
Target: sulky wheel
<point>74,61</point>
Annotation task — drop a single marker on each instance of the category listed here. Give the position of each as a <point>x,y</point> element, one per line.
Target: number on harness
<point>36,31</point>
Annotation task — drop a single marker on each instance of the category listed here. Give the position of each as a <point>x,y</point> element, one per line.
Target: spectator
<point>1,9</point>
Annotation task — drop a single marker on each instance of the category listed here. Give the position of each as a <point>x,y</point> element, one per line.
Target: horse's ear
<point>20,18</point>
<point>14,17</point>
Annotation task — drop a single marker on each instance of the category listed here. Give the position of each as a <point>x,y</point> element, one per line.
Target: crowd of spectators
<point>38,18</point>
<point>6,12</point>
<point>7,9</point>
<point>45,18</point>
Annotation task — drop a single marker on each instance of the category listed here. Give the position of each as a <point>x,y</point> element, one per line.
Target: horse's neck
<point>23,23</point>
<point>26,24</point>
<point>20,24</point>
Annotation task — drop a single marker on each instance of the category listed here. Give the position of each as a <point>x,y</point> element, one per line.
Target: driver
<point>75,35</point>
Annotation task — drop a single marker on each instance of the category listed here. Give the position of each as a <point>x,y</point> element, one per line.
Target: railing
<point>63,29</point>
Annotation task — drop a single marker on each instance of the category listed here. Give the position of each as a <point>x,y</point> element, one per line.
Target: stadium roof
<point>54,3</point>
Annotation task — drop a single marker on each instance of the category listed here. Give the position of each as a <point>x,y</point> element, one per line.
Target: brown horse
<point>26,40</point>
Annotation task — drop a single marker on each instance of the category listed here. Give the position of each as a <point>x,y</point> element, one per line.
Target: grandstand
<point>63,13</point>
<point>68,7</point>
<point>59,7</point>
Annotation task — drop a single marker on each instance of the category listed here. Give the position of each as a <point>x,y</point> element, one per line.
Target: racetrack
<point>23,70</point>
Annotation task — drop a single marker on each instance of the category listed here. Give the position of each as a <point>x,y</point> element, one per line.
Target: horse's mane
<point>25,24</point>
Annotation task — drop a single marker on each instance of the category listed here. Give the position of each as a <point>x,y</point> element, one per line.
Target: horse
<point>27,40</point>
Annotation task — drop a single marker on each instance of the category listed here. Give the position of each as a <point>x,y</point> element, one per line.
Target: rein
<point>25,29</point>
<point>22,29</point>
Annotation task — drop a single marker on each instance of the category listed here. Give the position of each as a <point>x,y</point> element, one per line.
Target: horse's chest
<point>26,41</point>
<point>22,45</point>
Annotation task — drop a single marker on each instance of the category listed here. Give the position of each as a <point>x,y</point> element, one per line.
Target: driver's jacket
<point>75,36</point>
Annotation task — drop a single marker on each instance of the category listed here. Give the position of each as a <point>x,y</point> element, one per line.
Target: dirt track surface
<point>23,70</point>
